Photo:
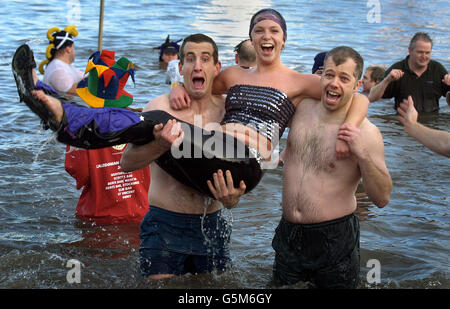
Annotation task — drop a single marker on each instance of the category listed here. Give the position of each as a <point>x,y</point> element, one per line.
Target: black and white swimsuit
<point>266,110</point>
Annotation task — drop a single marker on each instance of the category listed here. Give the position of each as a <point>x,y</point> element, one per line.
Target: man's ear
<point>180,68</point>
<point>357,85</point>
<point>218,68</point>
<point>236,58</point>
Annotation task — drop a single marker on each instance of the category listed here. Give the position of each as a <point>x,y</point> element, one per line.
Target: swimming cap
<point>270,14</point>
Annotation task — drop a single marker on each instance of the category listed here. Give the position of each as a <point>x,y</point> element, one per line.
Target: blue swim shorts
<point>176,243</point>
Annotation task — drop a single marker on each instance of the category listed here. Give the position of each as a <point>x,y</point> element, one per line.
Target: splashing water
<point>51,138</point>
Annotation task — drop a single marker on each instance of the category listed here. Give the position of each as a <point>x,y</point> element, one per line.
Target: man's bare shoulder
<point>370,131</point>
<point>305,102</point>
<point>158,103</point>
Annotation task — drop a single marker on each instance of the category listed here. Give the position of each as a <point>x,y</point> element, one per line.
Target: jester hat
<point>104,86</point>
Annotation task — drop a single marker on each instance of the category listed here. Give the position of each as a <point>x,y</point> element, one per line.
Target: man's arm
<point>436,140</point>
<point>369,151</point>
<point>139,156</point>
<point>377,91</point>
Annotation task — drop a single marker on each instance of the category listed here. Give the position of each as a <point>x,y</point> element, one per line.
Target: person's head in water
<point>372,76</point>
<point>318,63</point>
<point>199,64</point>
<point>245,54</point>
<point>168,51</point>
<point>419,49</point>
<point>61,45</point>
<point>268,34</point>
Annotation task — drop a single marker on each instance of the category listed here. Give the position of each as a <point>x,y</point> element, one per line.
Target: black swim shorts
<point>176,243</point>
<point>324,255</point>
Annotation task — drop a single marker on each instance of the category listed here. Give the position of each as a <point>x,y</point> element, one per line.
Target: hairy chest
<point>311,145</point>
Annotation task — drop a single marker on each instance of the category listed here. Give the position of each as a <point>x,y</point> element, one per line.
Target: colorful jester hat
<point>104,85</point>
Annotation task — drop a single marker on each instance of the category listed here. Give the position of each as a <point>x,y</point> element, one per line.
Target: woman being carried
<point>260,101</point>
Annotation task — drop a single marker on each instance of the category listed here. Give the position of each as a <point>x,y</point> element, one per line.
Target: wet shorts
<point>324,255</point>
<point>176,243</point>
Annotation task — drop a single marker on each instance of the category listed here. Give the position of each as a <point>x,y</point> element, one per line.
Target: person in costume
<point>169,59</point>
<point>59,71</point>
<point>317,67</point>
<point>109,195</point>
<point>263,99</point>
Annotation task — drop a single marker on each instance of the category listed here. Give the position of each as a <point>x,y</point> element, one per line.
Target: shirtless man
<point>175,239</point>
<point>183,230</point>
<point>317,240</point>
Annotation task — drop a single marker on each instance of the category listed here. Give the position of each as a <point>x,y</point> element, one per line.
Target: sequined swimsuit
<point>265,109</point>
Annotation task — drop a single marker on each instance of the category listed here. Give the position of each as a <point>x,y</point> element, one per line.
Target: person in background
<point>318,63</point>
<point>109,196</point>
<point>372,76</point>
<point>436,140</point>
<point>418,76</point>
<point>245,55</point>
<point>168,51</point>
<point>169,60</point>
<point>59,72</point>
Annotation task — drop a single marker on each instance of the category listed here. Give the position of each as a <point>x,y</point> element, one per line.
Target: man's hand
<point>395,74</point>
<point>342,150</point>
<point>166,135</point>
<point>179,98</point>
<point>351,134</point>
<point>224,191</point>
<point>407,113</point>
